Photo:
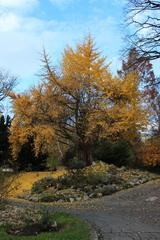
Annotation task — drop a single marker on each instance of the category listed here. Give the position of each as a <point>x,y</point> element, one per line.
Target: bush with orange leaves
<point>149,152</point>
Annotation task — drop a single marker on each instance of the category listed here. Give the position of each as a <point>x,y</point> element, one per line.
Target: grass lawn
<point>74,229</point>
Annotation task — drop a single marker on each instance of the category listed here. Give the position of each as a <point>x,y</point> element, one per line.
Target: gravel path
<point>132,214</point>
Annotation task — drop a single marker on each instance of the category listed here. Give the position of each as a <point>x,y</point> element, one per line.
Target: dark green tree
<point>27,160</point>
<point>5,124</point>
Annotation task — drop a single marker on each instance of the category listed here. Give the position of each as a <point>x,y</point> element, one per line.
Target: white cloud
<point>18,4</point>
<point>23,37</point>
<point>22,41</point>
<point>21,44</point>
<point>9,22</point>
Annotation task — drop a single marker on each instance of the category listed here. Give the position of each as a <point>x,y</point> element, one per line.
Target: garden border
<point>94,235</point>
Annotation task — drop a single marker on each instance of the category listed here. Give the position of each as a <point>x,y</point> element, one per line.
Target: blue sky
<point>26,26</point>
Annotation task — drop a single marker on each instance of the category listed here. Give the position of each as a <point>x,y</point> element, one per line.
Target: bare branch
<point>143,16</point>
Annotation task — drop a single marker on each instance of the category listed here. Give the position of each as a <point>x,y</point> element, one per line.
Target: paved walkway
<point>133,214</point>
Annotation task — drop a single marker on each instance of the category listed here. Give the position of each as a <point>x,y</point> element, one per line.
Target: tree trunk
<point>84,153</point>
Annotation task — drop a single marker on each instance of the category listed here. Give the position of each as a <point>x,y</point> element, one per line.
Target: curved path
<point>132,214</point>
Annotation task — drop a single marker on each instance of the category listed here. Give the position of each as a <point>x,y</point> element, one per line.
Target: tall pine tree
<point>5,124</point>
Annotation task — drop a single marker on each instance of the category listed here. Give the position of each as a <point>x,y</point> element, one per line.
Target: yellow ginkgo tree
<point>77,105</point>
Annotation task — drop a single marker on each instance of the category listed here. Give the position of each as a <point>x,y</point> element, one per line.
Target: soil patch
<point>34,229</point>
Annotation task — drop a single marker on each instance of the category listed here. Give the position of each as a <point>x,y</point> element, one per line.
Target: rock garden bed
<point>29,223</point>
<point>95,181</point>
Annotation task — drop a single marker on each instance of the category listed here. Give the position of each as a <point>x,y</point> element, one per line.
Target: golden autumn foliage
<point>82,103</point>
<point>23,182</point>
<point>149,152</point>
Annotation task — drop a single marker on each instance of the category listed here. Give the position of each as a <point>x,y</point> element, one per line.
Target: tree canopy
<point>80,103</point>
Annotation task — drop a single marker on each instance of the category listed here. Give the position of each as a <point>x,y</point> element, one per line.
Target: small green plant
<point>74,178</point>
<point>53,162</point>
<point>6,185</point>
<point>96,178</point>
<point>46,218</point>
<point>114,179</point>
<point>74,163</point>
<point>43,184</point>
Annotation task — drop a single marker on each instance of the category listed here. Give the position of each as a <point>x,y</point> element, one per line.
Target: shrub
<point>103,178</point>
<point>95,178</point>
<point>119,153</point>
<point>73,178</point>
<point>74,163</point>
<point>53,162</point>
<point>71,161</point>
<point>79,179</point>
<point>149,152</point>
<point>6,185</point>
<point>2,186</point>
<point>46,218</point>
<point>113,179</point>
<point>42,184</point>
